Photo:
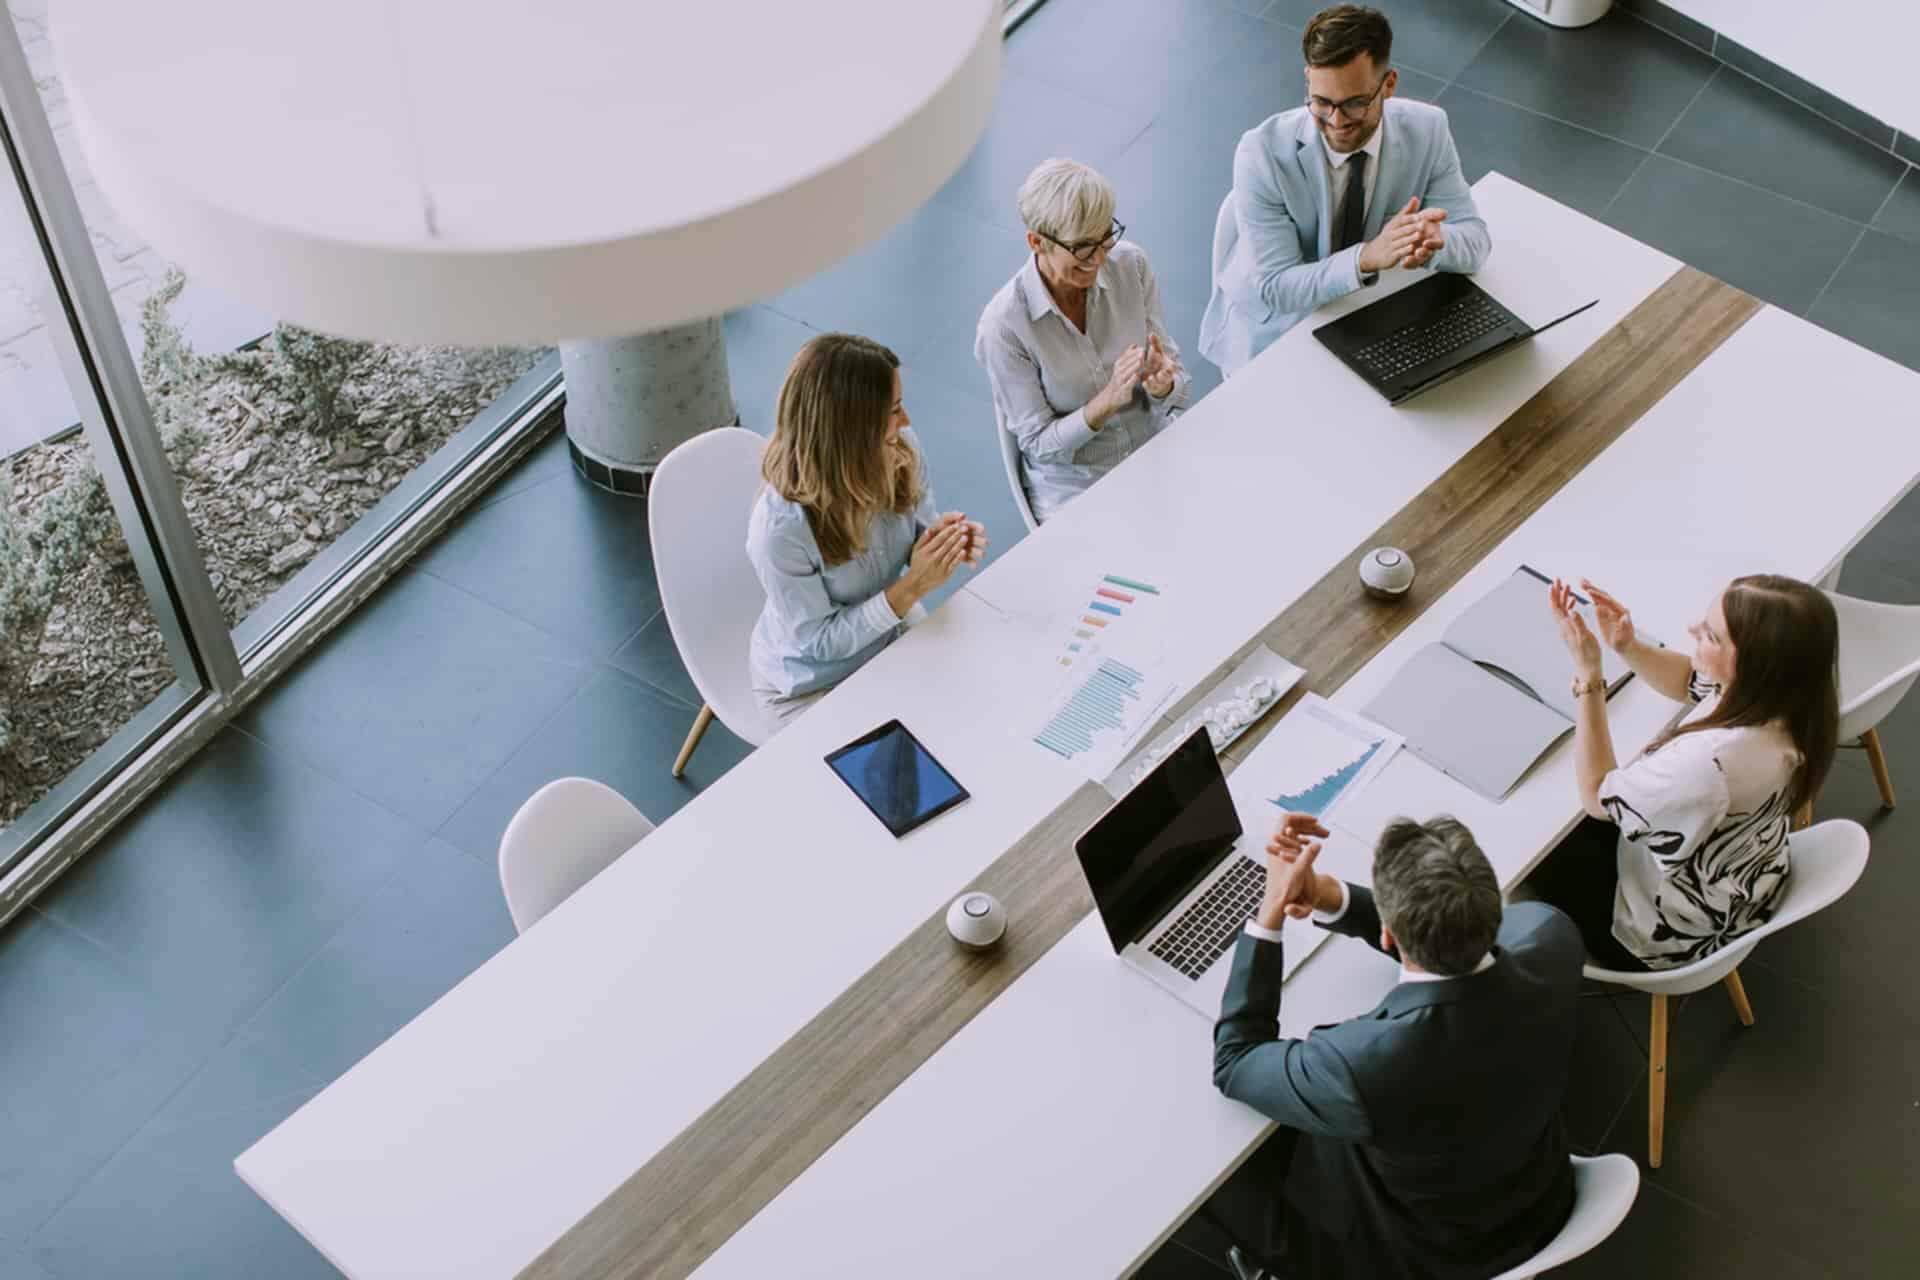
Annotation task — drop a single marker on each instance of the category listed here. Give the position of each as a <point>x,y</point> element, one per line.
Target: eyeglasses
<point>1083,252</point>
<point>1352,108</point>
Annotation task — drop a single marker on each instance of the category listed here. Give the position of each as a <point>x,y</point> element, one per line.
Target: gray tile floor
<point>324,870</point>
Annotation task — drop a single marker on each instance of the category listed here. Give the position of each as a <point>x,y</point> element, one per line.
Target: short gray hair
<point>1066,200</point>
<point>1437,893</point>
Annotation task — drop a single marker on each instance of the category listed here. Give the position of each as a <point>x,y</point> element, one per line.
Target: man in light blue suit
<point>1328,195</point>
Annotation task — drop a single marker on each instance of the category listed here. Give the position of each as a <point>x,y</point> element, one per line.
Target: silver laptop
<point>1170,878</point>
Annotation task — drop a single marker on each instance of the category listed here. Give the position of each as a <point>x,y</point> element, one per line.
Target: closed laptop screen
<point>1159,841</point>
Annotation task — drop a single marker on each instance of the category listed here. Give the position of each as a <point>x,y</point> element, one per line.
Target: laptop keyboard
<point>1208,928</point>
<point>1466,319</point>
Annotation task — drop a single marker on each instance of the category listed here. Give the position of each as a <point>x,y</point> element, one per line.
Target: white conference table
<point>484,1129</point>
<point>1067,1129</point>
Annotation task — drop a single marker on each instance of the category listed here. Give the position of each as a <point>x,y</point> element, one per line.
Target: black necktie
<point>1353,210</point>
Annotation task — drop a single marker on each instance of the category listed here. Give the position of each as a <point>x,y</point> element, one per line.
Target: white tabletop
<point>485,1128</point>
<point>1069,1127</point>
<point>378,180</point>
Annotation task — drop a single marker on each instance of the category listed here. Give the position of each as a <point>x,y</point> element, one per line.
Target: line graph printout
<point>1106,703</point>
<point>1317,756</point>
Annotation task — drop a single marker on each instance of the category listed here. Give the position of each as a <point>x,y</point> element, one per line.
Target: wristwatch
<point>1581,688</point>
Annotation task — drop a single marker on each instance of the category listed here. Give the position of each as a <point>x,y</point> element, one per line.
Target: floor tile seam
<point>1767,191</point>
<point>1619,1110</point>
<point>1484,45</point>
<point>1647,21</point>
<point>1838,267</point>
<point>1891,192</point>
<point>1692,102</point>
<point>1589,130</point>
<point>439,831</point>
<point>1849,130</point>
<point>674,700</point>
<point>492,498</point>
<point>583,654</point>
<point>1652,1178</point>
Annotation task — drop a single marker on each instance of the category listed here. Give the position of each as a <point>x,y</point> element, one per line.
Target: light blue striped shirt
<point>1044,370</point>
<point>821,621</point>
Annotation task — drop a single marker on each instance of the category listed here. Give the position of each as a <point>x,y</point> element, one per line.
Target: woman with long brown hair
<point>844,535</point>
<point>1686,848</point>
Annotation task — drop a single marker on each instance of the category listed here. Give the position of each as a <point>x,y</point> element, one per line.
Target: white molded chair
<point>1010,458</point>
<point>1879,662</point>
<point>1826,861</point>
<point>697,509</point>
<point>1604,1188</point>
<point>563,836</point>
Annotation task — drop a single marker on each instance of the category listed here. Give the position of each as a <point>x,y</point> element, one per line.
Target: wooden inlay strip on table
<point>719,1171</point>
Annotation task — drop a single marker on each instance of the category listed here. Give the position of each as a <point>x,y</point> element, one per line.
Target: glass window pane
<point>285,443</point>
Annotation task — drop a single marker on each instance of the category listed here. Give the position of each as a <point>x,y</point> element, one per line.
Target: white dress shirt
<point>1328,917</point>
<point>1337,184</point>
<point>1044,369</point>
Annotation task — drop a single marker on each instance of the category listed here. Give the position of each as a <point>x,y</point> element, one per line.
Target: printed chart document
<point>1110,697</point>
<point>1315,757</point>
<point>1492,697</point>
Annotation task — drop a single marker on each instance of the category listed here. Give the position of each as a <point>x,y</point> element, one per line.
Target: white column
<point>631,400</point>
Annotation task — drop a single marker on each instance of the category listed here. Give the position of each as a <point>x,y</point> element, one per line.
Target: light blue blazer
<point>1271,266</point>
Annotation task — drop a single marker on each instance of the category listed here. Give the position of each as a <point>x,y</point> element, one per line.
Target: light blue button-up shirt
<point>821,621</point>
<point>1044,370</point>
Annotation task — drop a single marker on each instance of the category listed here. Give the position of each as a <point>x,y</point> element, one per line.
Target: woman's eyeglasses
<point>1085,250</point>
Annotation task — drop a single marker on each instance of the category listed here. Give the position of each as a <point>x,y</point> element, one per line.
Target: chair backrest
<point>563,836</point>
<point>1827,858</point>
<point>697,509</point>
<point>1010,458</point>
<point>1879,660</point>
<point>1604,1189</point>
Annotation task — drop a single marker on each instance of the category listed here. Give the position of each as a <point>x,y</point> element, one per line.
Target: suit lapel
<point>1393,185</point>
<point>1313,171</point>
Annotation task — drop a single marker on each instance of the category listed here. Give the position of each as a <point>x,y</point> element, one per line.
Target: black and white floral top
<point>1703,837</point>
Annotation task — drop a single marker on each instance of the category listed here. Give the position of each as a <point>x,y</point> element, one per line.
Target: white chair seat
<point>1604,1189</point>
<point>566,833</point>
<point>1826,860</point>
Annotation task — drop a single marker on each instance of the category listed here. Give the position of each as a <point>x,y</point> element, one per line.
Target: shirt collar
<point>1408,975</point>
<point>1040,298</point>
<point>1338,159</point>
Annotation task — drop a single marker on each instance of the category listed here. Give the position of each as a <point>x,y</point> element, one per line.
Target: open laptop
<point>1169,877</point>
<point>1428,333</point>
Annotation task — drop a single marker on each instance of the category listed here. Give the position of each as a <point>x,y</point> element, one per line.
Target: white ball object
<point>1386,572</point>
<point>976,920</point>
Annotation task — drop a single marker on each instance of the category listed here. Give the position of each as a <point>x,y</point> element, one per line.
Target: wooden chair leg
<point>1657,1083</point>
<point>1737,992</point>
<point>1878,759</point>
<point>700,723</point>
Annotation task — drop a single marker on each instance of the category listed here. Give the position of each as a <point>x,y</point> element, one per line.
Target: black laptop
<point>1427,333</point>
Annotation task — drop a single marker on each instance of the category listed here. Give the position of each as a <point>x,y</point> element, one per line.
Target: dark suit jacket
<point>1430,1133</point>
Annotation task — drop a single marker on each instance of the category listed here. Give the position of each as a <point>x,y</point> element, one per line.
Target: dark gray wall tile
<point>1570,164</point>
<point>1577,75</point>
<point>1775,248</point>
<point>1804,92</point>
<point>1872,300</point>
<point>1745,130</point>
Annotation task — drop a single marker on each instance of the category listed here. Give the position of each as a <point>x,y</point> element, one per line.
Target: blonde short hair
<point>1066,200</point>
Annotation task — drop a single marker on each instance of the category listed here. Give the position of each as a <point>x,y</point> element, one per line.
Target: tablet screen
<point>896,777</point>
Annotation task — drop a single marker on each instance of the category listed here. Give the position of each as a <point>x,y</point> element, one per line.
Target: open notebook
<point>1490,699</point>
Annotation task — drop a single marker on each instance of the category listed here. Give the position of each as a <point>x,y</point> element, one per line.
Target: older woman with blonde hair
<point>1075,345</point>
<point>843,535</point>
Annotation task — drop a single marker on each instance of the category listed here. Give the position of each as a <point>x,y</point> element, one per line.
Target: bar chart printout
<point>1108,603</point>
<point>1107,703</point>
<point>1317,756</point>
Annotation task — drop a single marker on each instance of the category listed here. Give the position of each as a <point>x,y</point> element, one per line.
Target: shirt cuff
<point>1262,932</point>
<point>1333,916</point>
<point>878,615</point>
<point>1074,431</point>
<point>1361,279</point>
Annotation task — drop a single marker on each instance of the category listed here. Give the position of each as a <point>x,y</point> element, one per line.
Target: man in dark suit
<point>1422,1138</point>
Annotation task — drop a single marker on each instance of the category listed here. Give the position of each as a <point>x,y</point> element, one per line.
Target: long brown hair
<point>1786,645</point>
<point>829,453</point>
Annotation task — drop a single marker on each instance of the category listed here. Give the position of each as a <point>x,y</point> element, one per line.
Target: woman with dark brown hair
<point>843,536</point>
<point>1686,848</point>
